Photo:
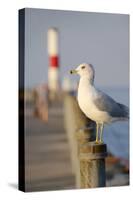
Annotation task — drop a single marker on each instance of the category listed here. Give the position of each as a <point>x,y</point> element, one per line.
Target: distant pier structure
<point>53,70</point>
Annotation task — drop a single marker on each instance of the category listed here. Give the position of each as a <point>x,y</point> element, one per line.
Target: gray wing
<point>107,104</point>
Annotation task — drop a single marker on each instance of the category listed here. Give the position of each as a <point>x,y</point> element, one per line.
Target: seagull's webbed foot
<point>98,142</point>
<point>101,142</point>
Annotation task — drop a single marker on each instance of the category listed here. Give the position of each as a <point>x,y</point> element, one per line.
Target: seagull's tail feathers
<point>125,111</point>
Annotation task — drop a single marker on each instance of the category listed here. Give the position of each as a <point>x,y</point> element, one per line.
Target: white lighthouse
<point>53,71</point>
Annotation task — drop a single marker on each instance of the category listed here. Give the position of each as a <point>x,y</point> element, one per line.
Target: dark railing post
<point>92,165</point>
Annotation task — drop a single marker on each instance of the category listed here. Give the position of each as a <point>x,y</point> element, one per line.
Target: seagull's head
<point>84,70</point>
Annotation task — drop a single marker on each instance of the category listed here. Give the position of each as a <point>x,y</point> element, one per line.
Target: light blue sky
<point>97,38</point>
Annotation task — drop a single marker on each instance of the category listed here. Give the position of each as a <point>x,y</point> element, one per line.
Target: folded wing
<point>107,104</point>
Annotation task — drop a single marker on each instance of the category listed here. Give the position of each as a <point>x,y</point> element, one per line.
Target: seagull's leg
<point>97,130</point>
<point>101,132</point>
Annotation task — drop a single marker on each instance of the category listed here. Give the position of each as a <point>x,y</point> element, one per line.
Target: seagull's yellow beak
<point>73,71</point>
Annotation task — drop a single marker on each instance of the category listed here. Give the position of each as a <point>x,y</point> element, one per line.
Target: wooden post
<point>92,165</point>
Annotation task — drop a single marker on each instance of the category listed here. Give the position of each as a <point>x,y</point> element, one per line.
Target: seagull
<point>95,104</point>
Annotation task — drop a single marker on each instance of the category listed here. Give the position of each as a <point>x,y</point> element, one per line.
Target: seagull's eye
<point>83,67</point>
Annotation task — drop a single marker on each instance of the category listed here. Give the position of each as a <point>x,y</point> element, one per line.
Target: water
<point>116,135</point>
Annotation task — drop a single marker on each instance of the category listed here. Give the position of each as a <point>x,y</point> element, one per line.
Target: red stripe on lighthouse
<point>54,61</point>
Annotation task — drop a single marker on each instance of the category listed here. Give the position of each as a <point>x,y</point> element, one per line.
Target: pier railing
<point>88,158</point>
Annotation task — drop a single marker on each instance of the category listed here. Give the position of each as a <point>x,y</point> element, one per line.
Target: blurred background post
<point>53,71</point>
